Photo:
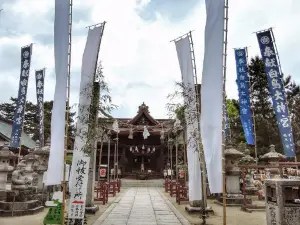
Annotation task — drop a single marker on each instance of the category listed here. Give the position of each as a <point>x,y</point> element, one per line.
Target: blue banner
<point>276,89</point>
<point>17,126</point>
<point>39,78</point>
<point>244,98</point>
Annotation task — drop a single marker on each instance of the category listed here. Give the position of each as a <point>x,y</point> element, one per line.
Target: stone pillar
<point>5,156</point>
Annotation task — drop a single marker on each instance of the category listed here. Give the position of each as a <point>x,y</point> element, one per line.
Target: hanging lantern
<point>136,149</point>
<point>146,133</point>
<point>148,150</point>
<point>153,150</point>
<point>143,147</point>
<point>130,149</point>
<point>162,134</point>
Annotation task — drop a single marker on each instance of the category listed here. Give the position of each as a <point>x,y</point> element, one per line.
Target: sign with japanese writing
<point>39,78</point>
<point>79,188</point>
<point>276,89</point>
<point>244,98</point>
<point>20,108</point>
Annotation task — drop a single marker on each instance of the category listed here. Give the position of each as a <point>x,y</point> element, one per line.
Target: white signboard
<point>78,189</point>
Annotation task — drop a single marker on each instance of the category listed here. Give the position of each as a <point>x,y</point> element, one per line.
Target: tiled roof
<point>5,132</point>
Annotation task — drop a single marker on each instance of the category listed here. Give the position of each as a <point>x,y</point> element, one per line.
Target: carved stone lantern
<point>42,162</point>
<point>5,156</point>
<point>273,158</point>
<point>233,173</point>
<point>248,160</point>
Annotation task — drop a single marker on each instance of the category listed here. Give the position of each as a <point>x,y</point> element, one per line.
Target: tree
<point>31,122</point>
<point>101,102</point>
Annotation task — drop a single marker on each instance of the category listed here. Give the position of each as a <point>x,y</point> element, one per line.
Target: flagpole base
<point>91,209</point>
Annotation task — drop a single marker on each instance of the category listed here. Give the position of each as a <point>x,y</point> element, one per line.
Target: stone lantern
<point>42,159</point>
<point>272,158</point>
<point>248,160</point>
<point>233,173</point>
<point>5,156</point>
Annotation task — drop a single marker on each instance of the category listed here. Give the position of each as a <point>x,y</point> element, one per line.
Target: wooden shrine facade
<point>134,153</point>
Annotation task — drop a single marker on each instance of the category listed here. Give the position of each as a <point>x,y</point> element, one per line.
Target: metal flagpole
<point>224,102</point>
<point>64,185</point>
<point>253,114</point>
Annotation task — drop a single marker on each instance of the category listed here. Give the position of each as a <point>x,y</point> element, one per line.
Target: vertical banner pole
<point>108,159</point>
<point>117,147</point>
<point>64,185</point>
<point>224,102</point>
<point>200,147</point>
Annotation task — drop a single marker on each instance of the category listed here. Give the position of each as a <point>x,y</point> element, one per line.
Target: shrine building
<point>137,154</point>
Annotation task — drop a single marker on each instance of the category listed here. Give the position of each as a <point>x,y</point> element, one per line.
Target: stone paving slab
<point>141,206</point>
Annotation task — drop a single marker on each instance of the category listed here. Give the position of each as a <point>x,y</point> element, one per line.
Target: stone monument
<point>21,199</point>
<point>5,168</point>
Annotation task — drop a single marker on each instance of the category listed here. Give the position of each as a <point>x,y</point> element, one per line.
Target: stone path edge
<point>109,209</point>
<point>179,216</point>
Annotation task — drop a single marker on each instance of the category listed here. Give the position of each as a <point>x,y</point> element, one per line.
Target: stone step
<point>142,183</point>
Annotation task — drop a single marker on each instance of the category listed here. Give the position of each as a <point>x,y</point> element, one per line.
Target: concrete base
<point>91,210</point>
<point>232,200</point>
<point>20,208</point>
<point>198,210</point>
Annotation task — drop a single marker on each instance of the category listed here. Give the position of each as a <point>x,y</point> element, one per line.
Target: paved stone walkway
<point>142,206</point>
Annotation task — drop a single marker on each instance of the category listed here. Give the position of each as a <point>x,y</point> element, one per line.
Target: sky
<point>140,63</point>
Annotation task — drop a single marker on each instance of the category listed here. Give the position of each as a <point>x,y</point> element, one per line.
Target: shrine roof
<point>142,118</point>
<point>5,133</point>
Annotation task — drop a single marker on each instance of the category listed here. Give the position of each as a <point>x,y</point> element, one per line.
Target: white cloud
<point>135,51</point>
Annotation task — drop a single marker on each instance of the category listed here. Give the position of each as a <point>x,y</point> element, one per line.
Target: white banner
<point>212,93</point>
<point>186,67</point>
<point>89,63</point>
<point>79,189</point>
<point>61,42</point>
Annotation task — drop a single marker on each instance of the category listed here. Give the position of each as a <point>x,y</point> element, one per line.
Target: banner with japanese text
<point>17,126</point>
<point>78,190</point>
<point>39,78</point>
<point>244,97</point>
<point>275,82</point>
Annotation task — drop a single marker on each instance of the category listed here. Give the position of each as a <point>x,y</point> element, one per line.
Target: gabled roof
<point>143,117</point>
<point>5,133</point>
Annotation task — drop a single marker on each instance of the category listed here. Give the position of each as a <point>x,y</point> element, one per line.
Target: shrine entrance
<point>137,156</point>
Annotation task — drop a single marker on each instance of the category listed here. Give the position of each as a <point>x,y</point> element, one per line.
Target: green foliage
<point>31,120</point>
